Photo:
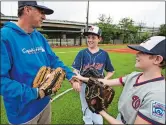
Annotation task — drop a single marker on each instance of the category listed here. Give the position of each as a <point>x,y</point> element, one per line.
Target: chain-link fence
<point>67,42</point>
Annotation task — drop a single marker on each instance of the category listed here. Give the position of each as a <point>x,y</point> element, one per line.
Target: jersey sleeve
<point>123,79</point>
<point>153,108</point>
<point>77,64</point>
<point>127,78</point>
<point>108,65</point>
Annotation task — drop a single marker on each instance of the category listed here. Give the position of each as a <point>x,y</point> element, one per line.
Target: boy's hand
<point>78,76</point>
<point>76,84</point>
<point>102,80</point>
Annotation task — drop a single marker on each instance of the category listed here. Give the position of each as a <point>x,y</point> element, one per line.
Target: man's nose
<point>43,16</point>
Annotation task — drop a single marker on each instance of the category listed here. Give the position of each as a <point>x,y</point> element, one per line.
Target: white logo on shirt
<point>33,50</point>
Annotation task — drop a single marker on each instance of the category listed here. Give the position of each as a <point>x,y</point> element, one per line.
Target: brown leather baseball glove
<point>98,96</point>
<point>49,80</point>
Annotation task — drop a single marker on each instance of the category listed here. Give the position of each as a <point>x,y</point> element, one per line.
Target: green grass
<point>67,109</point>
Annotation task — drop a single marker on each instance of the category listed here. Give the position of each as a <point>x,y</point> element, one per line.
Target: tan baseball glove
<point>49,80</point>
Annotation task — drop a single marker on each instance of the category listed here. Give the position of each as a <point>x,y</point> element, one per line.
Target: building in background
<point>2,14</point>
<point>58,32</point>
<point>152,30</point>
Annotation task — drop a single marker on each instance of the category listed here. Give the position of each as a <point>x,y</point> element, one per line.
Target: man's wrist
<point>71,81</point>
<point>41,93</point>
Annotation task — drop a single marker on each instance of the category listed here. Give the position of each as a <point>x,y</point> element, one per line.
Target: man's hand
<point>41,93</point>
<point>48,81</point>
<point>76,84</point>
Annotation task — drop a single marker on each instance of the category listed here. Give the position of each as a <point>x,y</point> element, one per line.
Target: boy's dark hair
<point>163,64</point>
<point>20,11</point>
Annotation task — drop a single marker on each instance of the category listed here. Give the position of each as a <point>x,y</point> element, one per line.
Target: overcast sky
<point>151,13</point>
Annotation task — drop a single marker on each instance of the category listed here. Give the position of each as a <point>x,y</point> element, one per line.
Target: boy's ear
<point>158,59</point>
<point>101,39</point>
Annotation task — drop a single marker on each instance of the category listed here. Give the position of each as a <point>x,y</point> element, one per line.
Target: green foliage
<point>145,36</point>
<point>125,30</point>
<point>109,30</point>
<point>129,31</point>
<point>162,30</point>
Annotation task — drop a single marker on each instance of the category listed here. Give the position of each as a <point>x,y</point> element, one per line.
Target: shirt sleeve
<point>77,64</point>
<point>127,78</point>
<point>153,108</point>
<point>108,65</point>
<point>123,79</point>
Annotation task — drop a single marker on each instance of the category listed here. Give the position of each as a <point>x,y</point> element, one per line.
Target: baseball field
<point>67,108</point>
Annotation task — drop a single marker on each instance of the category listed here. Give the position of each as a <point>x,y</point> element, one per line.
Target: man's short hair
<point>20,11</point>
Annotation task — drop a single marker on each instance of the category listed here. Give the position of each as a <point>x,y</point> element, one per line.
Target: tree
<point>144,36</point>
<point>128,29</point>
<point>140,26</point>
<point>105,24</point>
<point>102,18</point>
<point>162,30</point>
<point>116,33</point>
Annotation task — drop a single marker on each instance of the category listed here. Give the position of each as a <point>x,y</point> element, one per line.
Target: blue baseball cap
<point>46,10</point>
<point>155,45</point>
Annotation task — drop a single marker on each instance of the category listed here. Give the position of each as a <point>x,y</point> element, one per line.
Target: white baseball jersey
<point>145,99</point>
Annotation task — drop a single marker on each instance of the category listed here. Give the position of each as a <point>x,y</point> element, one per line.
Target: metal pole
<point>153,30</point>
<point>87,18</point>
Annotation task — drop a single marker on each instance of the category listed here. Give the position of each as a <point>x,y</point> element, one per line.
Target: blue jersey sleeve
<point>108,65</point>
<point>12,90</point>
<point>56,62</point>
<point>77,64</point>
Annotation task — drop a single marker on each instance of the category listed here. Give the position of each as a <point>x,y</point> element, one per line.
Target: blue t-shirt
<point>100,60</point>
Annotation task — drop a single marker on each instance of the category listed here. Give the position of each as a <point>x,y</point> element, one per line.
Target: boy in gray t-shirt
<point>143,97</point>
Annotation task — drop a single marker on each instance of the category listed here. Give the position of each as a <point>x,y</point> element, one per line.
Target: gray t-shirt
<point>145,99</point>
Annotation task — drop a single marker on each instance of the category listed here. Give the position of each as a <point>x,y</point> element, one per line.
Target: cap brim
<point>46,10</point>
<point>139,48</point>
<point>88,33</point>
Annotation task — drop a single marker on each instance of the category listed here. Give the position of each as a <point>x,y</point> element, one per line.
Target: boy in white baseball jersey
<point>143,97</point>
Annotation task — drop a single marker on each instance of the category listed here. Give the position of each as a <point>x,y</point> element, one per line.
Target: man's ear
<point>26,10</point>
